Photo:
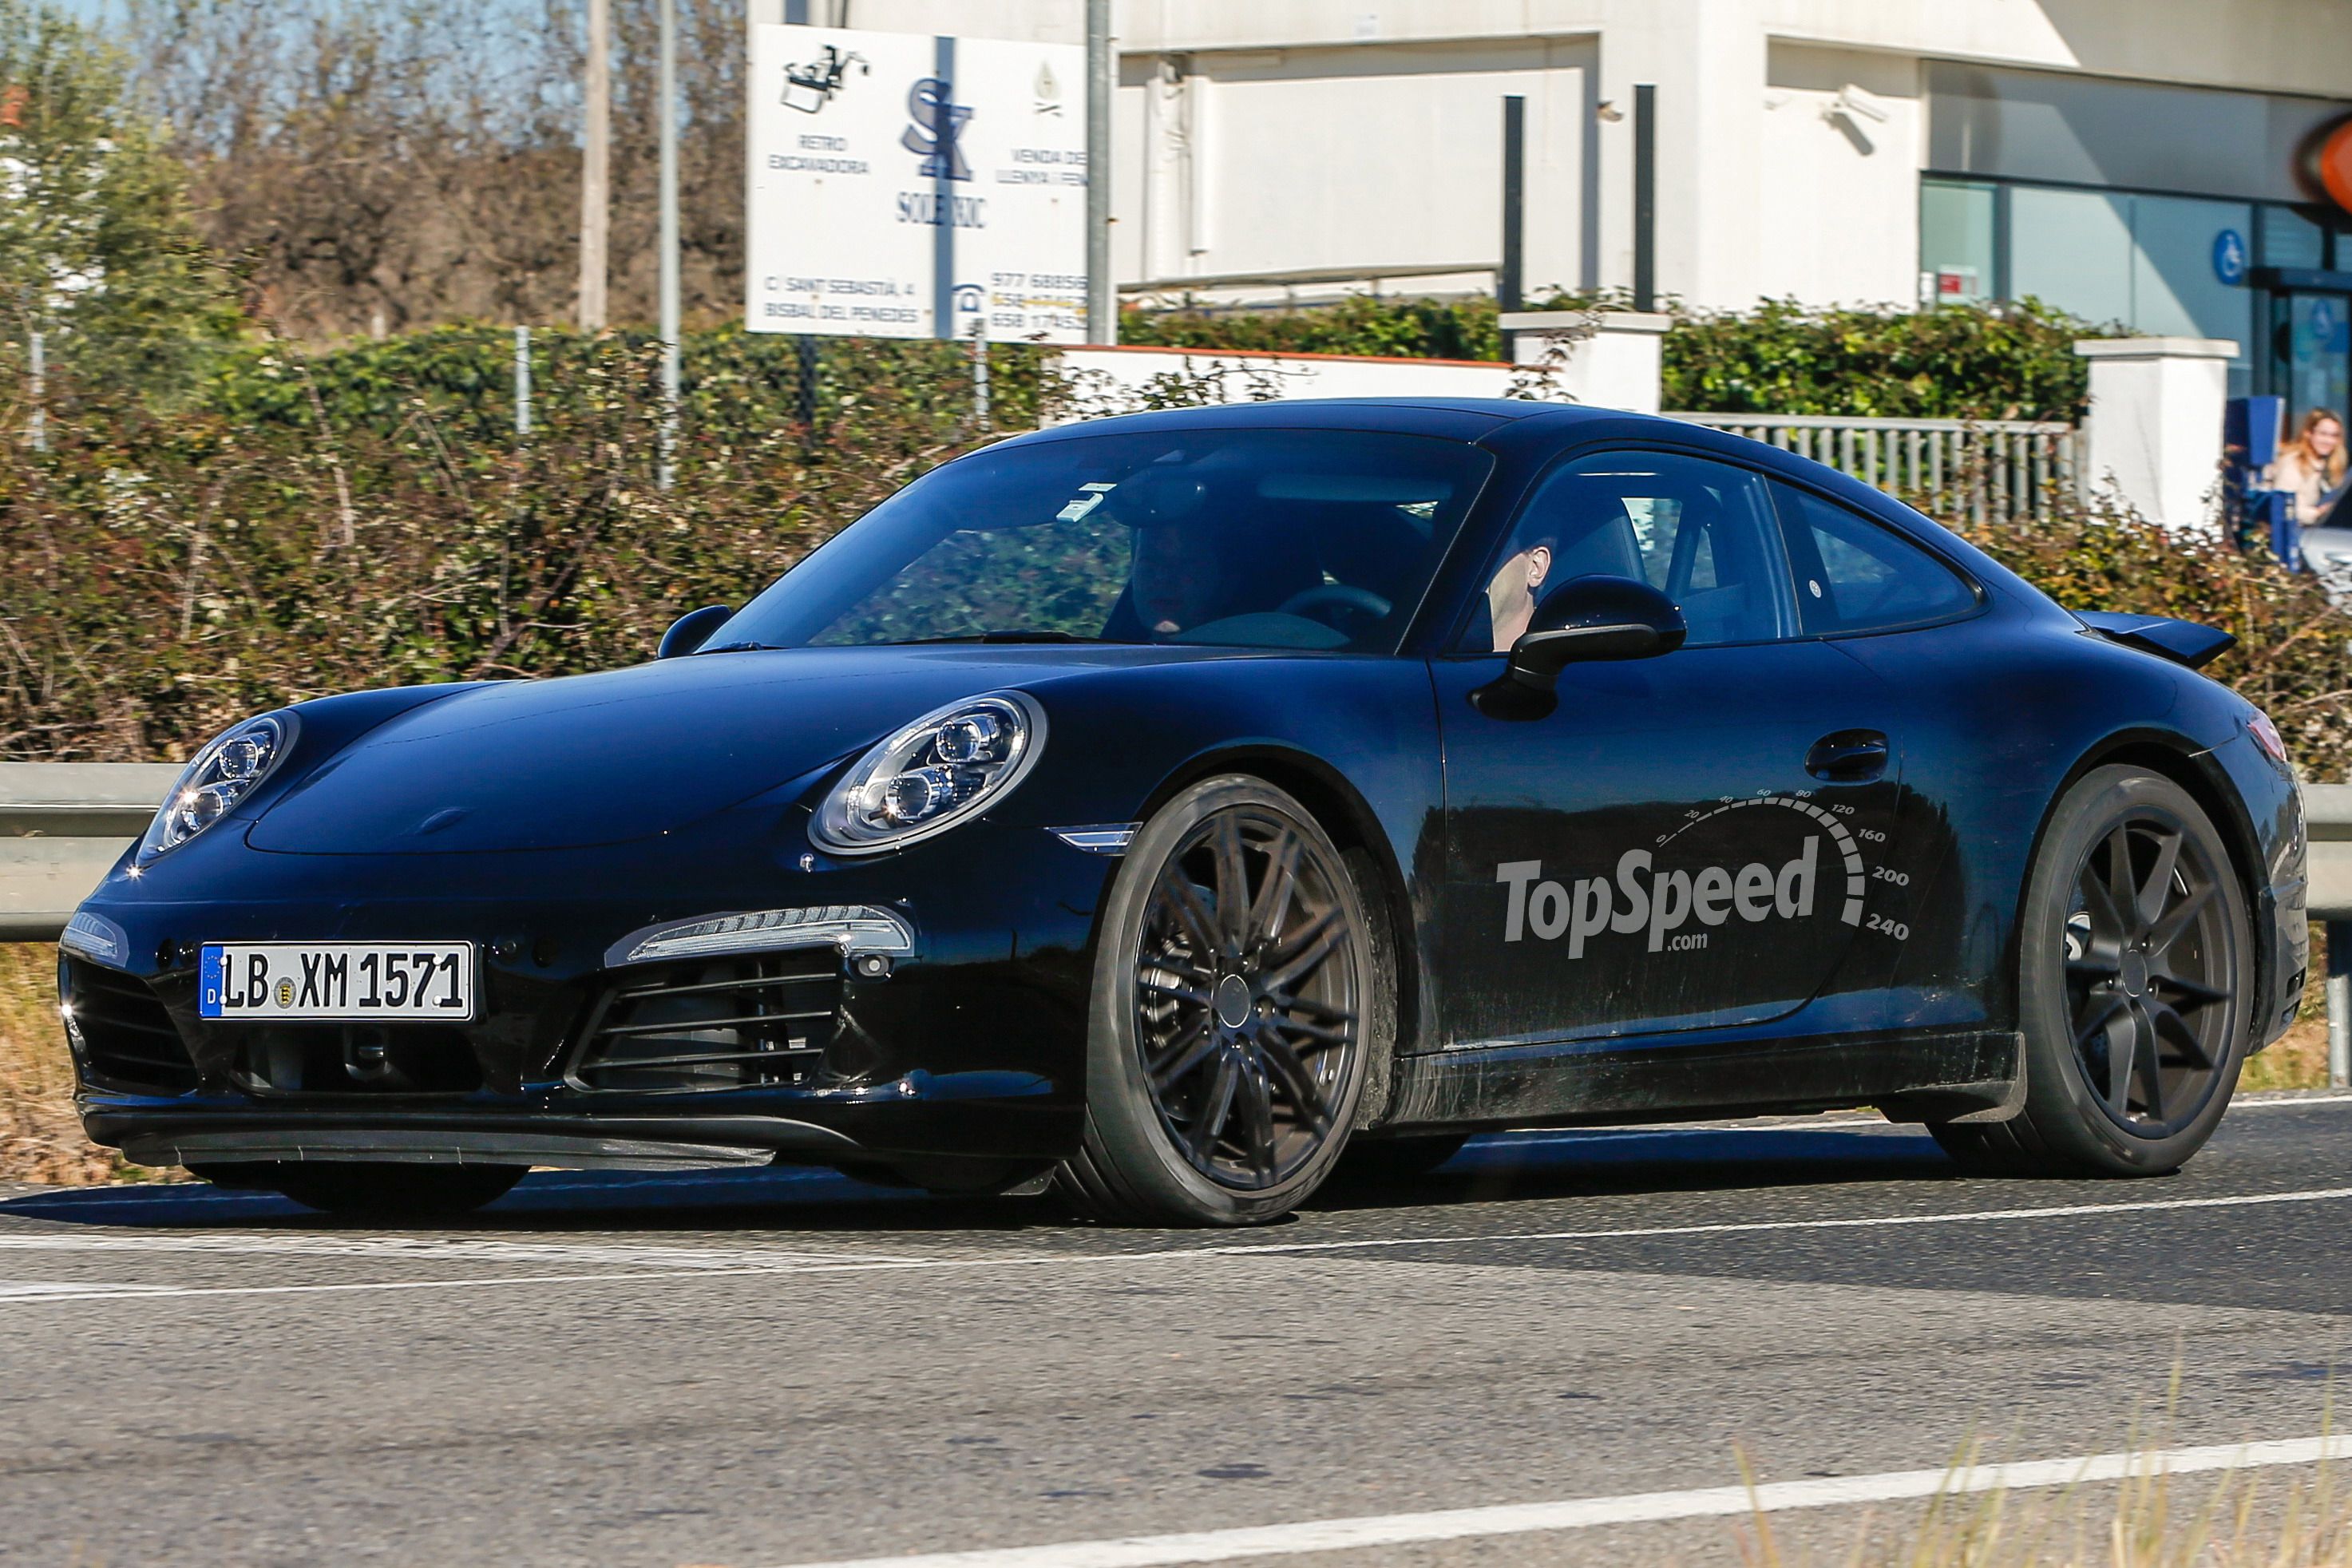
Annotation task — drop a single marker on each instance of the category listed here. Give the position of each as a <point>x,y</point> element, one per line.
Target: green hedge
<point>2009,362</point>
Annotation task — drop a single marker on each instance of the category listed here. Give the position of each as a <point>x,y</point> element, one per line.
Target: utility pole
<point>596,167</point>
<point>669,310</point>
<point>523,381</point>
<point>1102,299</point>
<point>39,432</point>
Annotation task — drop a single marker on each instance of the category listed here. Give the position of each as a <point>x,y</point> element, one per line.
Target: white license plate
<point>414,979</point>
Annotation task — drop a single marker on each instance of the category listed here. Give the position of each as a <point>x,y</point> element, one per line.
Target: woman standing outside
<point>2311,464</point>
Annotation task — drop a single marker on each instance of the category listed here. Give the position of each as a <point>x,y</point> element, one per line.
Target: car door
<point>1681,842</point>
<point>1973,773</point>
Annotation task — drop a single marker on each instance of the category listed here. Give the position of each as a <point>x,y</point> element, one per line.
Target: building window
<point>1955,242</point>
<point>2146,263</point>
<point>2290,239</point>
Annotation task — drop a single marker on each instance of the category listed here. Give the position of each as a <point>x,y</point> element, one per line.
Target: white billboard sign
<point>907,186</point>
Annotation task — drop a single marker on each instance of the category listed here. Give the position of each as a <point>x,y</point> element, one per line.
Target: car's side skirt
<point>1913,1075</point>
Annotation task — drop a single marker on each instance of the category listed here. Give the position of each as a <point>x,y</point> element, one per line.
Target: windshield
<point>1288,539</point>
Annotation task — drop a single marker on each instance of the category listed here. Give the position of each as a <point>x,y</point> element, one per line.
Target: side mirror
<point>1584,620</point>
<point>691,630</point>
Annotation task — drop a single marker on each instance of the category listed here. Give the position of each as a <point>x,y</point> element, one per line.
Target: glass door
<point>2314,340</point>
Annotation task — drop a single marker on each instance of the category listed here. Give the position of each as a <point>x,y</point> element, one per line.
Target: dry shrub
<point>2246,1518</point>
<point>40,1137</point>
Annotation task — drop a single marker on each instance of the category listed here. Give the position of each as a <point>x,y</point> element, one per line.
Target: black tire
<point>1382,1161</point>
<point>1239,992</point>
<point>2136,981</point>
<point>389,1190</point>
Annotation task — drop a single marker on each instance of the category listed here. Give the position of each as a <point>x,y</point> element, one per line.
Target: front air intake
<point>122,1033</point>
<point>759,1020</point>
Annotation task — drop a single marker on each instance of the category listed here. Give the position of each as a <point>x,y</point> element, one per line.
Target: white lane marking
<point>752,1266</point>
<point>72,1289</point>
<point>1636,1508</point>
<point>433,1250</point>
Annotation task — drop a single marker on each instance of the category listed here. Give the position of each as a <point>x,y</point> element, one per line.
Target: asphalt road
<point>776,1367</point>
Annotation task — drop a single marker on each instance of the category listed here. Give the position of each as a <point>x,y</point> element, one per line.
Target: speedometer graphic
<point>1840,838</point>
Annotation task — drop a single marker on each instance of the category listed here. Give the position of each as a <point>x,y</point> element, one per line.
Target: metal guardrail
<point>1989,468</point>
<point>63,825</point>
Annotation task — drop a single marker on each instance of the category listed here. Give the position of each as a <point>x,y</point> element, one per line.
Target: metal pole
<point>596,167</point>
<point>1510,278</point>
<point>1645,197</point>
<point>39,431</point>
<point>982,418</point>
<point>2339,1004</point>
<point>669,309</point>
<point>1102,298</point>
<point>523,381</point>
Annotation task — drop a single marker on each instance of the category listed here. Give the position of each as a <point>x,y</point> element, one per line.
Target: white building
<point>2133,161</point>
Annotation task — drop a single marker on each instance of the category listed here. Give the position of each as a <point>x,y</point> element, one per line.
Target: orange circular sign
<point>2334,162</point>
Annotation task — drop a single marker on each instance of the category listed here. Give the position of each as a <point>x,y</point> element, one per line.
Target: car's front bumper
<point>968,1055</point>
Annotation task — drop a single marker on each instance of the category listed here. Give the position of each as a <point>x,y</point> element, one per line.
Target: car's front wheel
<point>388,1190</point>
<point>2135,987</point>
<point>1239,993</point>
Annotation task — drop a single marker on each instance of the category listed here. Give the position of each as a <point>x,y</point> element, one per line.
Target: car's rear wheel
<point>388,1190</point>
<point>1239,993</point>
<point>2135,988</point>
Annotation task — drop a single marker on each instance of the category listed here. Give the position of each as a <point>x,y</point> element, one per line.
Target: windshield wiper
<point>744,648</point>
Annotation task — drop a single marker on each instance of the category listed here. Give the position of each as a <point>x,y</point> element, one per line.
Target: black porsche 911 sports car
<point>1176,803</point>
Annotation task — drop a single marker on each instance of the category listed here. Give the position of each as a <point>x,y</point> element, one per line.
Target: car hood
<point>626,754</point>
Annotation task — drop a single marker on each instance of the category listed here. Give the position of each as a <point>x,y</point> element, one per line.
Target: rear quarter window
<point>1853,575</point>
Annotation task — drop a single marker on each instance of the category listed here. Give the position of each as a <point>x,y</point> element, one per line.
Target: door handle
<point>1849,757</point>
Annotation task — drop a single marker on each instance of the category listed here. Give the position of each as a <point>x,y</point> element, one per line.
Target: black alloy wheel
<point>2150,974</point>
<point>1238,996</point>
<point>2135,983</point>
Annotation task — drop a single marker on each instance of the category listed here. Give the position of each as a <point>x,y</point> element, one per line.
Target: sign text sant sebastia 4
<point>908,186</point>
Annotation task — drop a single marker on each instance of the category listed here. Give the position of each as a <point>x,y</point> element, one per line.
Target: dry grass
<point>41,1139</point>
<point>2278,1519</point>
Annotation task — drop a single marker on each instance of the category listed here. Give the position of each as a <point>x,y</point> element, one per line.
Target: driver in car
<point>1177,578</point>
<point>1517,584</point>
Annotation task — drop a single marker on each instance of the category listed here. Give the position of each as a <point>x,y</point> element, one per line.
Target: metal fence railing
<point>1987,469</point>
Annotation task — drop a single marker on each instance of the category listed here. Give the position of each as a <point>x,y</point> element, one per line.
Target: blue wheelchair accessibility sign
<point>2230,258</point>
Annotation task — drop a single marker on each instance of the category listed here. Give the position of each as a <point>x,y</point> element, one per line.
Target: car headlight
<point>230,767</point>
<point>932,774</point>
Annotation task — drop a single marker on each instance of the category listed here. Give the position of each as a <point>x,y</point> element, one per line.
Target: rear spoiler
<point>2182,642</point>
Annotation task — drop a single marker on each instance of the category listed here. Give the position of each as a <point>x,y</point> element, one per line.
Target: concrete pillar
<point>1617,366</point>
<point>1707,59</point>
<point>2154,437</point>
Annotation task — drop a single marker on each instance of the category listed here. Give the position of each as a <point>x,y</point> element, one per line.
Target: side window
<point>1855,575</point>
<point>1700,532</point>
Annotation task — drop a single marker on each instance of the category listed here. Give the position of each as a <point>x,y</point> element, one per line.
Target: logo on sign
<point>2230,256</point>
<point>810,87</point>
<point>937,135</point>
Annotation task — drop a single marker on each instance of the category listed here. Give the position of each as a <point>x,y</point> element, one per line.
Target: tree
<point>97,248</point>
<point>402,163</point>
